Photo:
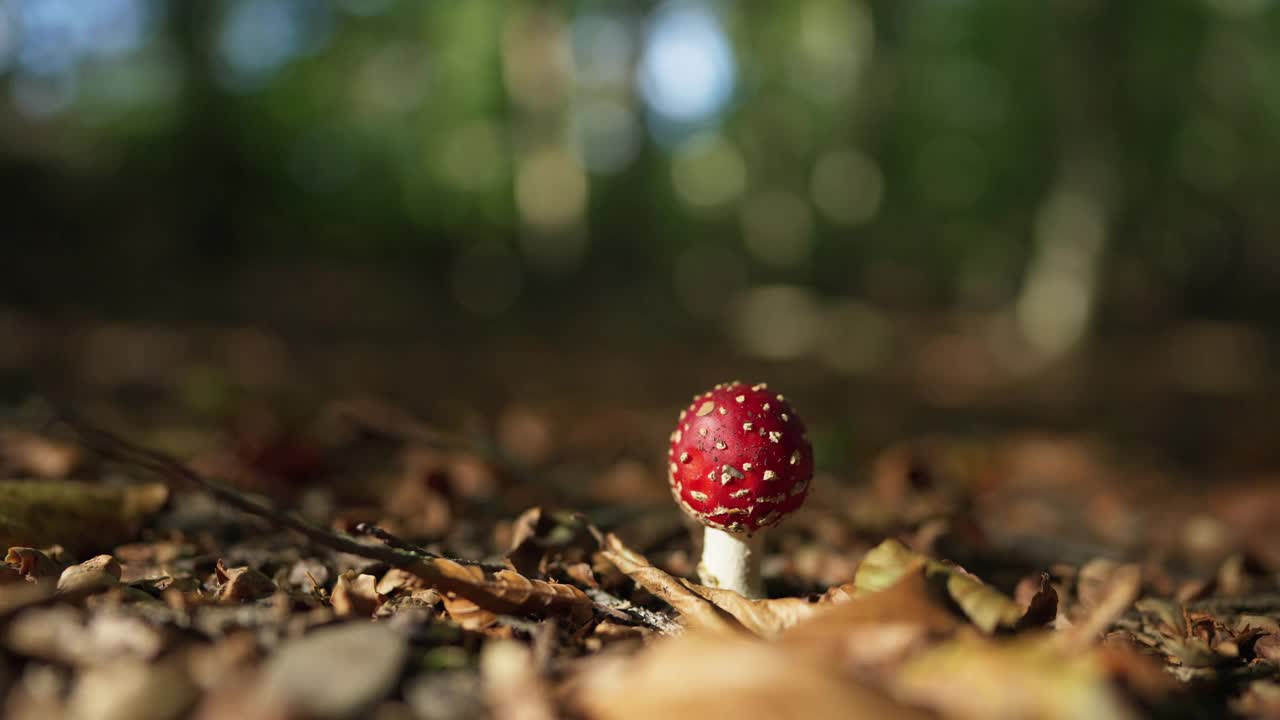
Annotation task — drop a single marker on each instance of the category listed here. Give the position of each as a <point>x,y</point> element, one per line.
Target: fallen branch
<point>503,592</point>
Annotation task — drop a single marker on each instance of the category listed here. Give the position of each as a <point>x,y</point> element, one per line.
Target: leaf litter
<point>966,580</point>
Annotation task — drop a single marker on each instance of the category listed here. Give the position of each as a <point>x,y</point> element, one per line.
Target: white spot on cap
<point>795,457</point>
<point>699,496</point>
<point>741,398</point>
<point>722,410</point>
<point>780,398</point>
<point>702,431</point>
<point>746,426</point>
<point>733,472</point>
<point>759,386</point>
<point>746,466</point>
<point>679,435</point>
<point>770,475</point>
<point>785,417</point>
<point>684,457</point>
<point>720,445</point>
<point>774,436</point>
<point>706,408</point>
<point>740,493</point>
<point>766,406</point>
<point>674,469</point>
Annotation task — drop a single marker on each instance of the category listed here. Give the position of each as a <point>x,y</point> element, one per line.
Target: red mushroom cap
<point>739,458</point>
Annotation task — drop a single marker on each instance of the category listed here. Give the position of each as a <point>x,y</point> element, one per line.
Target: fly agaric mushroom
<point>739,462</point>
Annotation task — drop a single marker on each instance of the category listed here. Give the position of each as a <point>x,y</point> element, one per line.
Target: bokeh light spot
<point>551,189</point>
<point>473,156</point>
<point>708,170</point>
<point>687,72</point>
<point>606,136</point>
<point>778,322</point>
<point>847,186</point>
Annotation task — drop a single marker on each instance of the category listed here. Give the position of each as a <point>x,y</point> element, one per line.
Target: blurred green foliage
<point>977,153</point>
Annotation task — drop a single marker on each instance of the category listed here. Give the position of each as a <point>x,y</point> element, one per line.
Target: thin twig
<point>440,573</point>
<point>373,531</point>
<point>645,616</point>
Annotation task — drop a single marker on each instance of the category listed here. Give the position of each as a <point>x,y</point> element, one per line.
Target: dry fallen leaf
<point>987,607</point>
<point>713,677</point>
<point>33,564</point>
<point>81,517</point>
<point>356,595</point>
<point>505,592</point>
<point>705,608</point>
<point>332,672</point>
<point>28,453</point>
<point>1026,677</point>
<point>879,628</point>
<point>513,687</point>
<point>91,576</point>
<point>242,583</point>
<point>1109,598</point>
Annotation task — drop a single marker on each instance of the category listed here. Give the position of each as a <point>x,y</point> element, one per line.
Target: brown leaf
<point>708,608</point>
<point>474,599</point>
<point>977,677</point>
<point>1038,600</point>
<point>879,628</point>
<point>356,595</point>
<point>26,453</point>
<point>335,671</point>
<point>540,538</point>
<point>713,677</point>
<point>91,576</point>
<point>83,518</point>
<point>242,583</point>
<point>513,687</point>
<point>1108,600</point>
<point>985,606</point>
<point>33,564</point>
<point>1267,647</point>
<point>696,611</point>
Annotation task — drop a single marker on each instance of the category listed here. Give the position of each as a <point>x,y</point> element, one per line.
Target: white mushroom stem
<point>732,561</point>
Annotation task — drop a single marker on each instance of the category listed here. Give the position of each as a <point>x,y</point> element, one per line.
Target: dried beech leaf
<point>27,453</point>
<point>242,583</point>
<point>356,595</point>
<point>873,627</point>
<point>474,598</point>
<point>1109,600</point>
<point>715,676</point>
<point>541,537</point>
<point>81,517</point>
<point>976,677</point>
<point>91,576</point>
<point>705,607</point>
<point>696,611</point>
<point>513,687</point>
<point>762,617</point>
<point>33,564</point>
<point>987,607</point>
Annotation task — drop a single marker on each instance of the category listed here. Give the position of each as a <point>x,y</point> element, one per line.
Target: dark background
<point>913,217</point>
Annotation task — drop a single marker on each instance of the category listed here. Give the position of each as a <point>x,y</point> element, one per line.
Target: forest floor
<point>352,560</point>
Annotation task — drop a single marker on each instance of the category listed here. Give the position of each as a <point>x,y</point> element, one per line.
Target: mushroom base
<point>731,561</point>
